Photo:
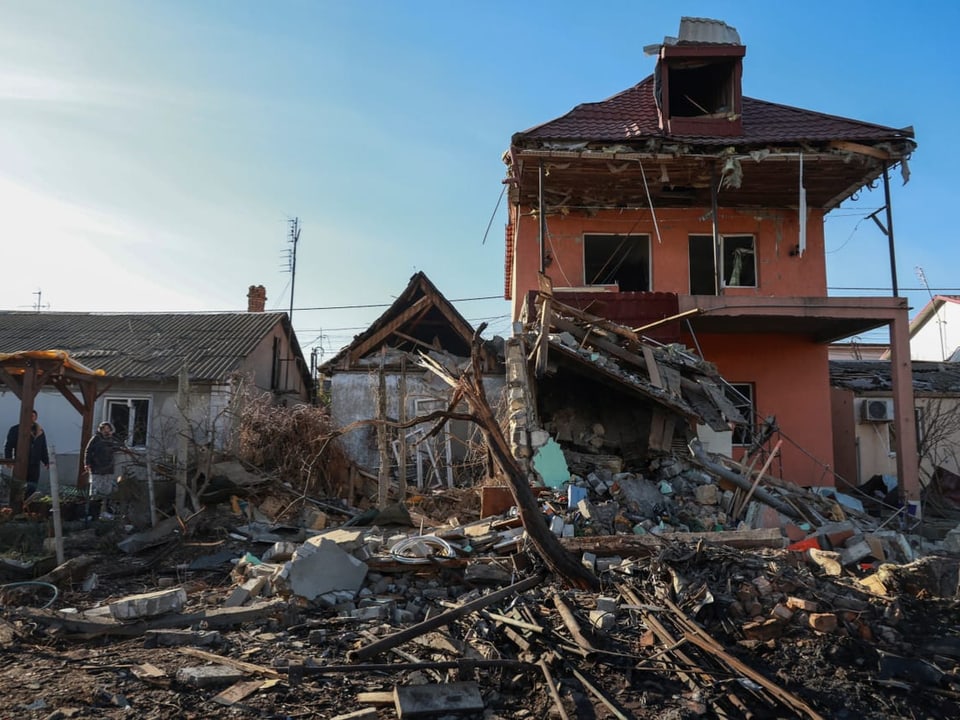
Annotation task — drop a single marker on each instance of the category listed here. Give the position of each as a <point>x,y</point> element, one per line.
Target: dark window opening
<point>275,365</point>
<point>623,260</point>
<point>702,89</point>
<point>702,280</point>
<point>744,402</point>
<point>130,419</point>
<point>739,265</point>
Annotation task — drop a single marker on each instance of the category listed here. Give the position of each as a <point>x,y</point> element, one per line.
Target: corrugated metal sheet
<point>705,30</point>
<point>145,346</point>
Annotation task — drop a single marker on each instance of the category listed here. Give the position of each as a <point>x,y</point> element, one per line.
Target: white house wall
<point>62,424</point>
<point>926,343</point>
<point>353,398</point>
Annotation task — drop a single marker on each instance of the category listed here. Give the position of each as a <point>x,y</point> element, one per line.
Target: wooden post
<point>402,439</point>
<point>383,479</point>
<point>55,500</point>
<point>22,458</point>
<point>89,392</point>
<point>183,406</point>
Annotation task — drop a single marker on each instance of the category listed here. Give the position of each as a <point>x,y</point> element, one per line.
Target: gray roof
<point>929,378</point>
<point>150,346</point>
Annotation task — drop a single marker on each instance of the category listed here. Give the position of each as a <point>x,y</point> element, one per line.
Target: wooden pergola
<point>26,373</point>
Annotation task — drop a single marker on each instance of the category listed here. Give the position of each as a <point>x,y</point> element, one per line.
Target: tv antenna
<point>38,306</point>
<point>921,276</point>
<point>292,258</point>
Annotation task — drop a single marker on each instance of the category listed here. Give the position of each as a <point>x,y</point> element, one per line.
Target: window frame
<point>129,438</point>
<point>696,241</point>
<point>642,241</point>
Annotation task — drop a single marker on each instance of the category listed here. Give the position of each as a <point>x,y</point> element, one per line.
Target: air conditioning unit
<point>875,410</point>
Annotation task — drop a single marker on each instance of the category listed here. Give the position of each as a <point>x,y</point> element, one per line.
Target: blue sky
<point>152,153</point>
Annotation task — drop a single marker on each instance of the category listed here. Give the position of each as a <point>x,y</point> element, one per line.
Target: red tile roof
<point>631,115</point>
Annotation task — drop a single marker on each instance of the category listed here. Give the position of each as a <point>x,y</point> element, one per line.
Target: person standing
<point>37,452</point>
<point>98,461</point>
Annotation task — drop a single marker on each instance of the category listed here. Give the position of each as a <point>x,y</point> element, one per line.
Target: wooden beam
<point>61,384</point>
<point>12,382</point>
<point>420,306</point>
<point>860,149</point>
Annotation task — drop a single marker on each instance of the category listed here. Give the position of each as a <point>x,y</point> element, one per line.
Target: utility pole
<point>294,239</point>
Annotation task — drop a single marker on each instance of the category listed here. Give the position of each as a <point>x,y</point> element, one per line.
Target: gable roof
<point>632,116</point>
<point>150,346</point>
<point>929,310</point>
<point>421,317</point>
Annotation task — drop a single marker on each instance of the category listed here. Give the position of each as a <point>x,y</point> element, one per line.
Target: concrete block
<point>324,567</point>
<point>707,494</point>
<point>349,539</point>
<point>250,589</point>
<point>855,553</point>
<point>209,675</point>
<point>417,701</point>
<point>951,541</point>
<point>605,563</point>
<point>602,620</point>
<point>538,438</point>
<point>149,604</point>
<point>589,560</point>
<point>279,552</point>
<point>176,638</point>
<point>606,604</point>
<point>556,525</point>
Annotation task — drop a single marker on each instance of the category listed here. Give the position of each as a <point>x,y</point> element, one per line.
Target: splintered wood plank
<point>421,701</point>
<point>384,697</point>
<point>653,369</point>
<point>150,674</point>
<point>237,692</point>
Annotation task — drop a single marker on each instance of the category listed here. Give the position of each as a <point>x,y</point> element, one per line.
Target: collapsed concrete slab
<point>320,566</point>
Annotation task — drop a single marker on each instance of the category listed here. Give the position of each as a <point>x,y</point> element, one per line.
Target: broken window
<point>738,263</point>
<point>130,418</point>
<point>702,88</point>
<point>744,402</point>
<point>622,260</point>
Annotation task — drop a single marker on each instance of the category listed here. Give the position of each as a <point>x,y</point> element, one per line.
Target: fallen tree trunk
<point>469,387</point>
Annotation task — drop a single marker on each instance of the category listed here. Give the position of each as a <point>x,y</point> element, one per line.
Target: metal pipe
<point>893,255</point>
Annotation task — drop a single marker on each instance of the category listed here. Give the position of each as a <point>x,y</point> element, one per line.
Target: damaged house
<point>866,442</point>
<point>139,359</point>
<point>691,214</point>
<point>376,377</point>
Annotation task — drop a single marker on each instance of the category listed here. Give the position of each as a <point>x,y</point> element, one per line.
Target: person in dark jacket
<point>98,461</point>
<point>37,453</point>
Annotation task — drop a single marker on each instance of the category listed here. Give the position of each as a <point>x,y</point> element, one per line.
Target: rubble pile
<point>459,620</point>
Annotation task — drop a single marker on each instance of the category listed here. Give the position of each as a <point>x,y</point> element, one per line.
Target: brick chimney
<point>257,299</point>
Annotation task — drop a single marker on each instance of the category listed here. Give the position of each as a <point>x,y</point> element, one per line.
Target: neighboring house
<point>862,404</point>
<point>935,331</point>
<point>854,350</point>
<point>681,198</point>
<point>421,320</point>
<point>141,355</point>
